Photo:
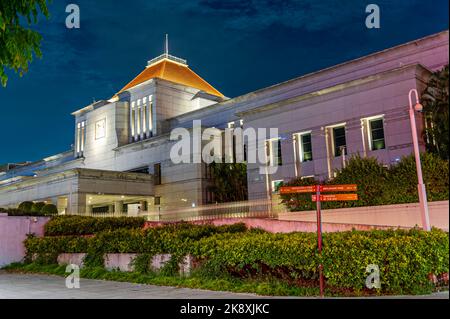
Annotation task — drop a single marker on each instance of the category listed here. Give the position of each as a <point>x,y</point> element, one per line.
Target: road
<point>34,286</point>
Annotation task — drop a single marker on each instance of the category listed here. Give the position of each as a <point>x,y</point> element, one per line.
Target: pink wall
<point>280,226</point>
<point>13,231</point>
<point>404,215</point>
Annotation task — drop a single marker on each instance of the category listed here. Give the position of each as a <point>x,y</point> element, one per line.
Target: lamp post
<point>420,186</point>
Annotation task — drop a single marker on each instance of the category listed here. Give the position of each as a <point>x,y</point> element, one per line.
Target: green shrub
<point>25,206</point>
<point>405,258</point>
<point>36,207</point>
<point>49,210</point>
<point>378,185</point>
<point>85,225</point>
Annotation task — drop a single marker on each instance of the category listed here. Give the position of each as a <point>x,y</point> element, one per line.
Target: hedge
<point>405,258</point>
<point>377,184</point>
<point>49,210</point>
<point>25,206</point>
<point>85,225</point>
<point>26,209</point>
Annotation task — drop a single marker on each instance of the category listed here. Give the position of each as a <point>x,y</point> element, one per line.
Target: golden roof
<point>172,71</point>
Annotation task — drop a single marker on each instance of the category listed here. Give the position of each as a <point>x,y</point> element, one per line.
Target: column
<point>136,122</point>
<point>132,125</point>
<point>77,204</point>
<point>365,136</point>
<point>118,207</point>
<point>143,205</point>
<point>329,146</point>
<point>150,116</point>
<point>141,121</point>
<point>297,166</point>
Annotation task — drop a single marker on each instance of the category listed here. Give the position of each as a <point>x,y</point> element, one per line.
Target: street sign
<point>322,188</point>
<point>339,188</point>
<point>335,197</point>
<point>297,189</point>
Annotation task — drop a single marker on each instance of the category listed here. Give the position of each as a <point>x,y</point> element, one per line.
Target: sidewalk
<point>34,286</point>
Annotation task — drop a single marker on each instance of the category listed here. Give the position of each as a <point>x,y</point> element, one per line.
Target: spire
<point>166,55</point>
<point>166,51</point>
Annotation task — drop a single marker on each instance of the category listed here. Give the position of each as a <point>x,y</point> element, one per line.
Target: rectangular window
<point>276,185</point>
<point>157,173</point>
<point>139,118</point>
<point>377,134</point>
<point>133,119</point>
<point>157,201</point>
<point>273,149</point>
<point>150,115</point>
<point>230,125</point>
<point>80,137</point>
<point>100,129</point>
<point>340,144</point>
<point>305,147</point>
<point>144,116</point>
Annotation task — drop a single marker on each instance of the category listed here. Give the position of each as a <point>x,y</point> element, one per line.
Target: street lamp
<point>420,186</point>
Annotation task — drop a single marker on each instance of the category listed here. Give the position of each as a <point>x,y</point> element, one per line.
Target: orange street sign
<point>335,197</point>
<point>297,189</point>
<point>339,188</point>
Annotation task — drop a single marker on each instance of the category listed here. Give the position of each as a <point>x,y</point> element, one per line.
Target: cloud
<point>258,15</point>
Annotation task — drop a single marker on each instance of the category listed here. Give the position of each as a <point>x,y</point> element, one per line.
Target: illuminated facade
<point>121,155</point>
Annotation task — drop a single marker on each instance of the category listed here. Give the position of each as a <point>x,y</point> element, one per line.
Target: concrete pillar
<point>118,207</point>
<point>89,209</point>
<point>110,208</point>
<point>77,204</point>
<point>329,148</point>
<point>142,205</point>
<point>62,205</point>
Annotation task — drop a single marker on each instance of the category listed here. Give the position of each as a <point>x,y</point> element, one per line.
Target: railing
<point>260,208</point>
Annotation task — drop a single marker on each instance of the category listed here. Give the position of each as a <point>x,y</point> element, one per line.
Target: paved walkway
<point>34,286</point>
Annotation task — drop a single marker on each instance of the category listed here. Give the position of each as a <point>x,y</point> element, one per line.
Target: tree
<point>436,108</point>
<point>230,181</point>
<point>17,42</point>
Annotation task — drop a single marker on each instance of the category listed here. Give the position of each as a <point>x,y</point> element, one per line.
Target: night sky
<point>238,46</point>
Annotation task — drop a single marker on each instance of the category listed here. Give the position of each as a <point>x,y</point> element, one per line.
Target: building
<point>121,156</point>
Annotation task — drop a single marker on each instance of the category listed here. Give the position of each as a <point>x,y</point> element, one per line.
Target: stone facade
<point>131,131</point>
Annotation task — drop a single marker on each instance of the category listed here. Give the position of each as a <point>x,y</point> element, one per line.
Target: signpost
<point>335,197</point>
<point>318,198</point>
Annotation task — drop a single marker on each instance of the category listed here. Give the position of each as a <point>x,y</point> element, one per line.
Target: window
<point>144,116</point>
<point>276,185</point>
<point>157,173</point>
<point>157,200</point>
<point>80,138</point>
<point>377,134</point>
<point>133,119</point>
<point>143,170</point>
<point>230,125</point>
<point>305,149</point>
<point>273,151</point>
<point>100,129</point>
<point>139,119</point>
<point>150,116</point>
<point>340,143</point>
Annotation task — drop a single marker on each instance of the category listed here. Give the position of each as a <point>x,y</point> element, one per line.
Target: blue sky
<point>238,46</point>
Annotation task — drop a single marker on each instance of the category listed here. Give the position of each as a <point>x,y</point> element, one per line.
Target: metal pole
<point>319,238</point>
<point>420,186</point>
